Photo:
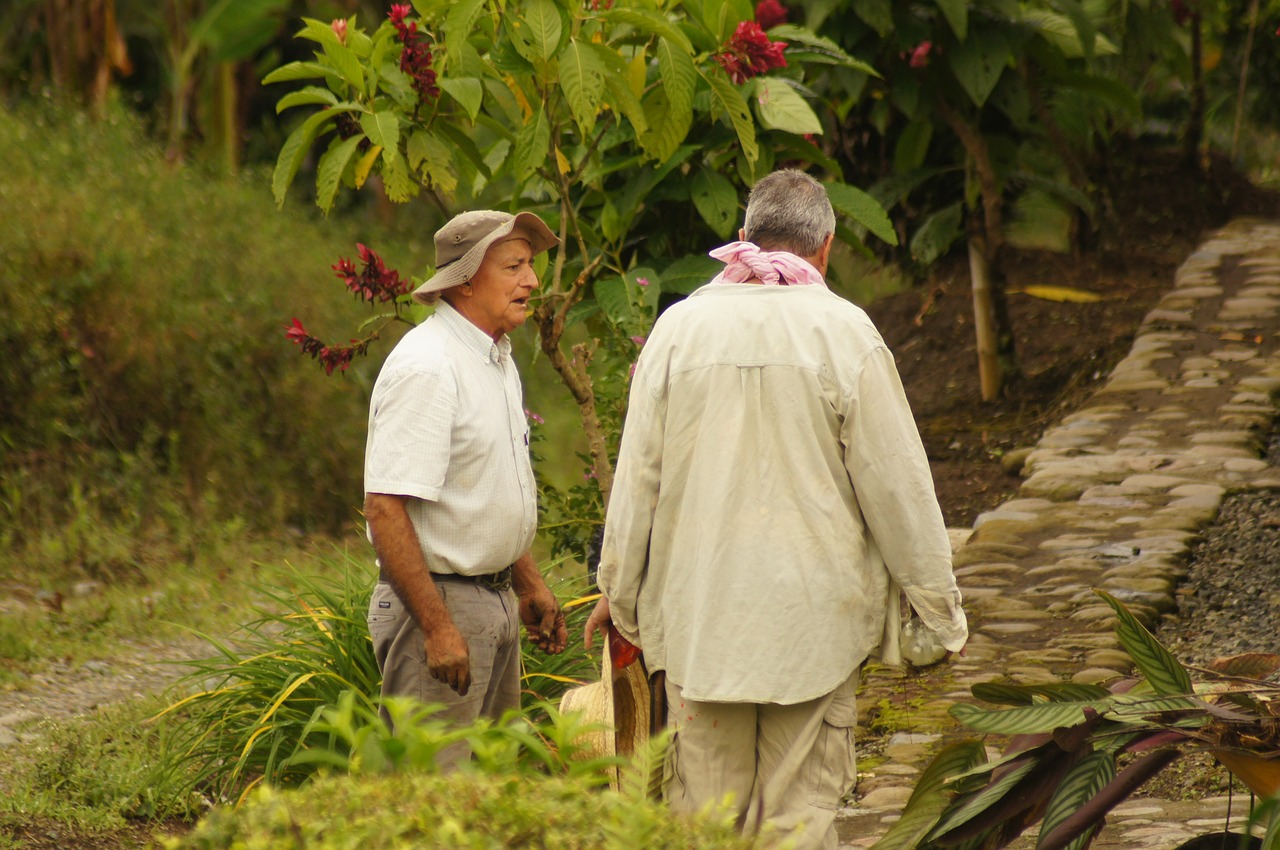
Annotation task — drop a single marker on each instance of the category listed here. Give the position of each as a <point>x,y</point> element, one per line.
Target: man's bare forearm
<point>400,555</point>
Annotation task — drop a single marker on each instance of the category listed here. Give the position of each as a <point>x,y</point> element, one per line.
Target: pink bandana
<point>745,261</point>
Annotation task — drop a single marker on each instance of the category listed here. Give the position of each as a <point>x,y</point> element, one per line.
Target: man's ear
<point>742,234</point>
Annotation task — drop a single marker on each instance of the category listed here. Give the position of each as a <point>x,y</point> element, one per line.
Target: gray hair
<point>789,211</point>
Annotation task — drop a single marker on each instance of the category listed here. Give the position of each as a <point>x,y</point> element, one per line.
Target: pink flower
<point>339,26</point>
<point>642,281</point>
<point>638,340</point>
<point>770,13</point>
<point>920,55</point>
<point>535,417</point>
<point>750,53</point>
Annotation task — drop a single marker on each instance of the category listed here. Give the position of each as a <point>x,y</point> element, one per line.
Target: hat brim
<point>461,270</point>
<point>617,709</point>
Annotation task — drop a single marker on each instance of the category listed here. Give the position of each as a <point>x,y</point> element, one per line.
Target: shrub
<point>461,810</point>
<point>146,386</point>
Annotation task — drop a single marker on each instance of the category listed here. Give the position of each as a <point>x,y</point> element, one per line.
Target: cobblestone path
<point>1112,498</point>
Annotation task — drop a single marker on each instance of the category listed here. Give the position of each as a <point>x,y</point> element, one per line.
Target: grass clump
<point>460,810</point>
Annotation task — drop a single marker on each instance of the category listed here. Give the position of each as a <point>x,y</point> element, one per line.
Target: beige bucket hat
<point>462,242</point>
<point>617,707</point>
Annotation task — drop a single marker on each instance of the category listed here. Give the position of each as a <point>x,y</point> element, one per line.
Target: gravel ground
<point>1230,602</point>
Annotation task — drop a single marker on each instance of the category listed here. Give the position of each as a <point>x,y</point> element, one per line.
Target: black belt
<point>500,580</point>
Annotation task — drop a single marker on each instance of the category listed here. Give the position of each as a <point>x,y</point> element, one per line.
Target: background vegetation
<point>164,455</point>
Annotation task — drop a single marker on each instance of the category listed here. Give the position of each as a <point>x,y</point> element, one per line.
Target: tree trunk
<point>85,46</point>
<point>984,321</point>
<point>988,238</point>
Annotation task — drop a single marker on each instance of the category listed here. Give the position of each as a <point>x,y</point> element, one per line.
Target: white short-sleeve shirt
<point>447,428</point>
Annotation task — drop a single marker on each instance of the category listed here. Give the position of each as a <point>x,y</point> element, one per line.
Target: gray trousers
<point>781,766</point>
<point>488,620</point>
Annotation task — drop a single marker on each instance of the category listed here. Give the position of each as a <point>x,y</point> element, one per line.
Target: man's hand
<point>543,620</point>
<point>597,622</point>
<point>448,659</point>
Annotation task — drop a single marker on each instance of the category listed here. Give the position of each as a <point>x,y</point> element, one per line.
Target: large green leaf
<point>978,62</point>
<point>1166,675</point>
<point>1062,33</point>
<point>937,233</point>
<point>464,147</point>
<point>688,273</point>
<point>1022,720</point>
<point>863,209</point>
<point>930,798</point>
<point>716,201</point>
<point>301,71</point>
<point>678,73</point>
<point>913,146</point>
<point>957,14</point>
<point>395,176</point>
<point>1003,694</point>
<point>311,95</point>
<point>295,148</point>
<point>735,106</point>
<point>621,97</point>
<point>975,805</point>
<point>467,91</point>
<point>458,24</point>
<point>533,146</point>
<point>611,294</point>
<point>536,35</point>
<point>1080,785</point>
<point>877,14</point>
<point>649,22</point>
<point>331,168</point>
<point>1115,93</point>
<point>382,128</point>
<point>582,79</point>
<point>668,126</point>
<point>237,29</point>
<point>781,107</point>
<point>432,158</point>
<point>817,48</point>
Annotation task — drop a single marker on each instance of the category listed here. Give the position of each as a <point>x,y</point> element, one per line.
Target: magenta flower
<point>750,53</point>
<point>638,340</point>
<point>535,417</point>
<point>920,55</point>
<point>642,281</point>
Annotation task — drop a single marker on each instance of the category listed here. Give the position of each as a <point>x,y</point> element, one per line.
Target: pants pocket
<point>833,769</point>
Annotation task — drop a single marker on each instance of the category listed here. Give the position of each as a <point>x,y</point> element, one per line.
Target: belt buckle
<point>500,580</point>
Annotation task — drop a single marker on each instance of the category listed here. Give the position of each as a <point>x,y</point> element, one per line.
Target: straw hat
<point>618,707</point>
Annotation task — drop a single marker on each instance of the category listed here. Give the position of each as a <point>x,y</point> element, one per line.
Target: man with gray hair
<point>449,491</point>
<point>771,495</point>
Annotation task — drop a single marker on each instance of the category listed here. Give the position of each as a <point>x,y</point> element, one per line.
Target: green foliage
<point>1062,765</point>
<point>259,693</point>
<point>461,810</point>
<point>297,691</point>
<point>99,771</point>
<point>146,391</point>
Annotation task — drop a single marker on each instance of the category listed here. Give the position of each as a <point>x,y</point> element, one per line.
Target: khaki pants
<point>786,766</point>
<point>488,620</point>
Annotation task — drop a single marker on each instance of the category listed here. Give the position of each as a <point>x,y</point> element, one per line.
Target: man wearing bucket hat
<point>771,490</point>
<point>449,492</point>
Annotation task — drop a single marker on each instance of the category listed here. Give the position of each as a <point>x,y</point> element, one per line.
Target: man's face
<point>501,287</point>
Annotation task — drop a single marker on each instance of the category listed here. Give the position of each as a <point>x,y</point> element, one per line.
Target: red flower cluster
<point>415,59</point>
<point>920,55</point>
<point>770,13</point>
<point>330,356</point>
<point>375,282</point>
<point>750,53</point>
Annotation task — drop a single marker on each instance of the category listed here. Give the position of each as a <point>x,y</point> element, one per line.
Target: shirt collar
<point>472,337</point>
